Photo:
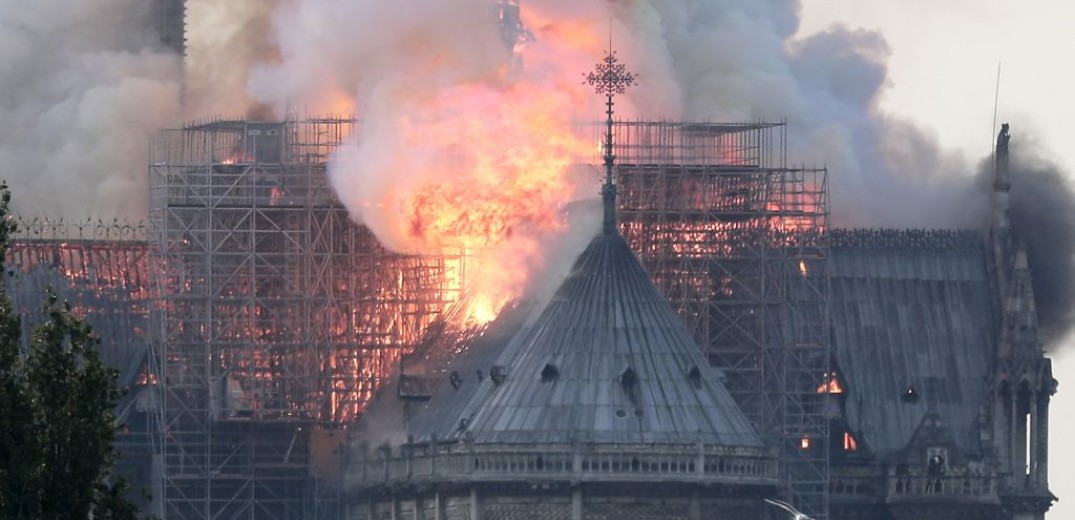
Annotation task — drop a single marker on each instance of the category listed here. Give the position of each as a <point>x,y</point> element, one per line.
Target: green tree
<point>57,418</point>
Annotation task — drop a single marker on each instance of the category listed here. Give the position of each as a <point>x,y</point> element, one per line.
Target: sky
<point>943,77</point>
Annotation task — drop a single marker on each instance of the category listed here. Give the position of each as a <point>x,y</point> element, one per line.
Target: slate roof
<point>607,361</point>
<point>911,309</point>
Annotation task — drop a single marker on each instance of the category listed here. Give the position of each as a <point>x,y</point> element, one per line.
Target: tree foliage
<point>57,418</point>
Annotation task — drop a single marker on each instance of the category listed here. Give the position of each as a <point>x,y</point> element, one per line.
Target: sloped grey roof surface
<point>606,320</point>
<point>907,313</point>
<point>443,411</point>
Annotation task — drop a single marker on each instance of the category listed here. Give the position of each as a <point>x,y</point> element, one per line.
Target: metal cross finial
<point>610,77</point>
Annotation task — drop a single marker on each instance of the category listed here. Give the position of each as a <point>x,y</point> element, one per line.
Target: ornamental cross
<point>610,76</point>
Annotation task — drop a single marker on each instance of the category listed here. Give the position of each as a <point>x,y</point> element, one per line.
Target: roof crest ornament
<point>610,77</point>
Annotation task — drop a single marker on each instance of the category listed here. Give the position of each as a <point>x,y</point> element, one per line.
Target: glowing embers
<point>92,265</point>
<point>666,236</point>
<point>800,209</point>
<point>831,384</point>
<point>850,443</point>
<point>802,268</point>
<point>146,378</point>
<point>483,308</point>
<point>806,443</point>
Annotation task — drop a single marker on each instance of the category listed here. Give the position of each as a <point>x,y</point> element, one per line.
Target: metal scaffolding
<point>277,317</point>
<point>734,238</point>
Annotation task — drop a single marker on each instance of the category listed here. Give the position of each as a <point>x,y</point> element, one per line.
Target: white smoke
<point>82,87</point>
<point>225,42</point>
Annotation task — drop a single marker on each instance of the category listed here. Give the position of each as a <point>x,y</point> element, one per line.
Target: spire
<point>610,77</point>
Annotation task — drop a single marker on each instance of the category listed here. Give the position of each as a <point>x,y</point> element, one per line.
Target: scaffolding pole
<point>276,317</point>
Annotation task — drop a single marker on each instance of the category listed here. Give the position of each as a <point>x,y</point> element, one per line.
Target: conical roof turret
<point>606,361</point>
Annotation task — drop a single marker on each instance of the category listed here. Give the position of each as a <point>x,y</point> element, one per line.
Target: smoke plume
<point>462,148</point>
<point>225,41</point>
<point>453,120</point>
<point>82,86</point>
<point>435,87</point>
<point>1043,216</point>
<point>735,60</point>
<point>726,60</point>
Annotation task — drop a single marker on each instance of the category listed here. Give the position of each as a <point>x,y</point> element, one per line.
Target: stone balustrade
<point>941,486</point>
<point>579,462</point>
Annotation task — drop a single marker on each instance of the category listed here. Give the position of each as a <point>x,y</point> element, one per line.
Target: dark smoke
<point>1043,215</point>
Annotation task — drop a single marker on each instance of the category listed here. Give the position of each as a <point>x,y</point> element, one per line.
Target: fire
<point>789,218</point>
<point>479,168</point>
<point>850,444</point>
<point>465,147</point>
<point>483,310</point>
<point>831,385</point>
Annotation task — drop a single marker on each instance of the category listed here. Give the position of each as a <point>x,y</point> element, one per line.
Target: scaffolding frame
<point>276,317</point>
<point>735,240</point>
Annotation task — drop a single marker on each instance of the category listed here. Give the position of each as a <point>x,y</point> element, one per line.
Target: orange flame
<point>831,385</point>
<point>850,444</point>
<point>467,153</point>
<point>492,167</point>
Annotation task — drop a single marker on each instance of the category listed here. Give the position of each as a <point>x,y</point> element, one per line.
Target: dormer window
<point>628,379</point>
<point>498,374</point>
<point>936,461</point>
<point>694,375</point>
<point>910,395</point>
<point>629,382</point>
<point>549,373</point>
